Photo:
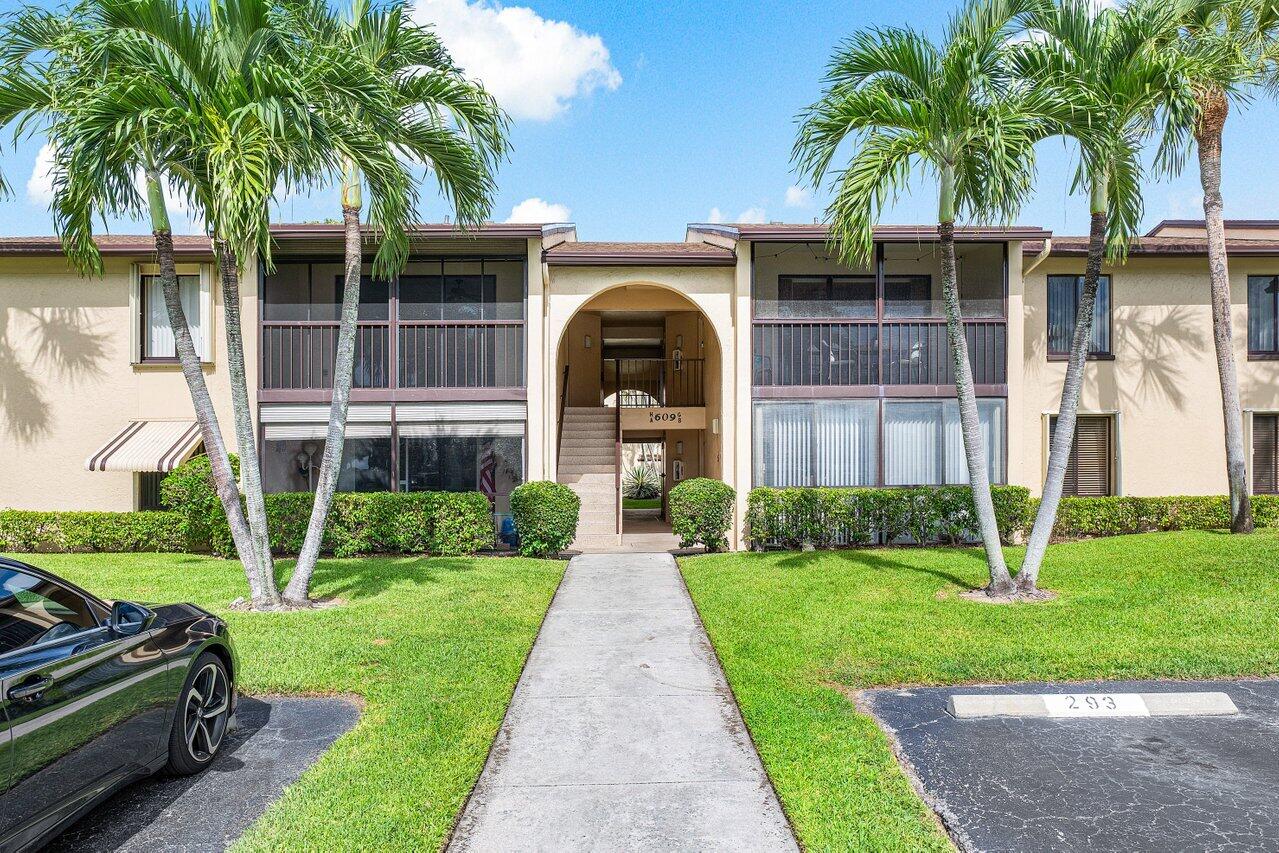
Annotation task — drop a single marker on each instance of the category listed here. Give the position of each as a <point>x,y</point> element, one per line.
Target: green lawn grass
<point>641,503</point>
<point>432,646</point>
<point>798,633</point>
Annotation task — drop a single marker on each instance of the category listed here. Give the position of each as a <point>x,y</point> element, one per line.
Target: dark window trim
<point>1112,460</point>
<point>1261,354</point>
<point>1108,355</point>
<point>1269,423</point>
<point>158,360</point>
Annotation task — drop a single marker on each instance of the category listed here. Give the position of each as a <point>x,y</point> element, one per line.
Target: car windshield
<point>34,610</point>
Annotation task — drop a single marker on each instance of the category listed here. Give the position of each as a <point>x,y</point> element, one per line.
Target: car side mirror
<point>128,618</point>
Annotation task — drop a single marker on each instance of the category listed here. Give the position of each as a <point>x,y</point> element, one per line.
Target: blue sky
<point>637,118</point>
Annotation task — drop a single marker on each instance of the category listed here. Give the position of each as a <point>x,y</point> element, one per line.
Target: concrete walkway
<point>622,734</point>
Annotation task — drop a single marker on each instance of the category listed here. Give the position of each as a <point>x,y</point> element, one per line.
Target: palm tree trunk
<point>1064,433</point>
<point>1214,108</point>
<point>246,440</point>
<point>296,593</point>
<point>970,424</point>
<point>206,417</point>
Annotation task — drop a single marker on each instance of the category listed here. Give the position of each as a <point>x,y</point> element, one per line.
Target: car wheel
<point>200,723</point>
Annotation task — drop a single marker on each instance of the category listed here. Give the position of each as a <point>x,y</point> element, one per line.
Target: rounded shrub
<point>702,512</point>
<point>545,516</point>
<point>188,490</point>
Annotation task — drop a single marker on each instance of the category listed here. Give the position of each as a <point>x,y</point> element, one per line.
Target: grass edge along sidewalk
<point>799,633</point>
<point>433,647</point>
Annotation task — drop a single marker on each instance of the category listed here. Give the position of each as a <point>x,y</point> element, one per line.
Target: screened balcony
<point>452,324</point>
<point>819,323</point>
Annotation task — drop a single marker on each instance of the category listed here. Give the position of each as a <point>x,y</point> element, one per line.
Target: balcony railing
<point>911,352</point>
<point>641,383</point>
<point>299,355</point>
<point>461,355</point>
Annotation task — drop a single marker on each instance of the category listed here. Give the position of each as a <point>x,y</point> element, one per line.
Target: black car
<point>96,695</point>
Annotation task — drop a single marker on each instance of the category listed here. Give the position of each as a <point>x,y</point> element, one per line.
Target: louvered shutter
<point>1265,454</point>
<point>1088,469</point>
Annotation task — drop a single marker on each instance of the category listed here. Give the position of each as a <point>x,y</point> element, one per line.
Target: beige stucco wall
<point>1162,384</point>
<point>67,381</point>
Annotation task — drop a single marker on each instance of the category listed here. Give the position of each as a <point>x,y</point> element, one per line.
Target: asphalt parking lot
<point>276,739</point>
<point>1099,784</point>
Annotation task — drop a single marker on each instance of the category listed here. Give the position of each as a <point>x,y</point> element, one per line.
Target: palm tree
<point>1110,70</point>
<point>88,77</point>
<point>424,111</point>
<point>1228,49</point>
<point>954,111</point>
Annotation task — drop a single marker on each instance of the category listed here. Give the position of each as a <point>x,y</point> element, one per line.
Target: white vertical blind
<point>912,432</point>
<point>816,443</point>
<point>845,442</point>
<point>924,442</point>
<point>159,340</point>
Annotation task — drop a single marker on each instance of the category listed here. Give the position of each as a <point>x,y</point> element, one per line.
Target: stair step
<point>572,430</point>
<point>594,483</point>
<point>588,466</point>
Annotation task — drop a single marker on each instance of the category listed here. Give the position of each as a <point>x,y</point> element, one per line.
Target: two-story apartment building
<point>518,352</point>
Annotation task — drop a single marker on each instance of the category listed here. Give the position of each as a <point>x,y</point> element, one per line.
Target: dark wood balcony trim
<point>395,395</point>
<point>838,392</point>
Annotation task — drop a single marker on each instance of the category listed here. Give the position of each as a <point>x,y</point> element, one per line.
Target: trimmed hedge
<point>830,517</point>
<point>439,523</point>
<point>702,512</point>
<point>1113,516</point>
<point>825,518</point>
<point>545,516</point>
<point>31,531</point>
<point>443,523</point>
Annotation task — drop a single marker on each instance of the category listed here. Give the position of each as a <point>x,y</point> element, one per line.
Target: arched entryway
<point>639,405</point>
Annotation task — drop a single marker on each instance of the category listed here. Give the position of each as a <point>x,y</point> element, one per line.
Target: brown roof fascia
<point>889,233</point>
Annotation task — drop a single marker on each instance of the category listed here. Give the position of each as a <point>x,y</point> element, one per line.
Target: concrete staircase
<point>588,466</point>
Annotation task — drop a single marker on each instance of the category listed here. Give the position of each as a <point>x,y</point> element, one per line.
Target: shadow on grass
<point>881,559</point>
<point>357,578</point>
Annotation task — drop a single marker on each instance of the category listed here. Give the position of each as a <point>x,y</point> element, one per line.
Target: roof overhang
<point>791,233</point>
<point>1165,247</point>
<point>430,231</point>
<point>637,259</point>
<point>131,246</point>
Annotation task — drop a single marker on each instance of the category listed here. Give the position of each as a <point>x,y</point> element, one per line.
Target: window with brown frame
<point>1265,454</point>
<point>1089,470</point>
<point>1263,316</point>
<point>1064,293</point>
<point>156,338</point>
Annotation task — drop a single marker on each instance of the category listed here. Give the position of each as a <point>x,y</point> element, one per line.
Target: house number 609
<point>665,417</point>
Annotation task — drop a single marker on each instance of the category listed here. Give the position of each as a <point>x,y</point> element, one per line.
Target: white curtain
<point>159,343</point>
<point>816,443</point>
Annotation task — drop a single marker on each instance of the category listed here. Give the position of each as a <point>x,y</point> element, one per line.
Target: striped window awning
<point>147,446</point>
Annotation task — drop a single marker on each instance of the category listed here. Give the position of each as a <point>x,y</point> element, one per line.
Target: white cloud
<point>1184,204</point>
<point>797,196</point>
<point>532,65</point>
<point>40,184</point>
<point>751,216</point>
<point>536,210</point>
